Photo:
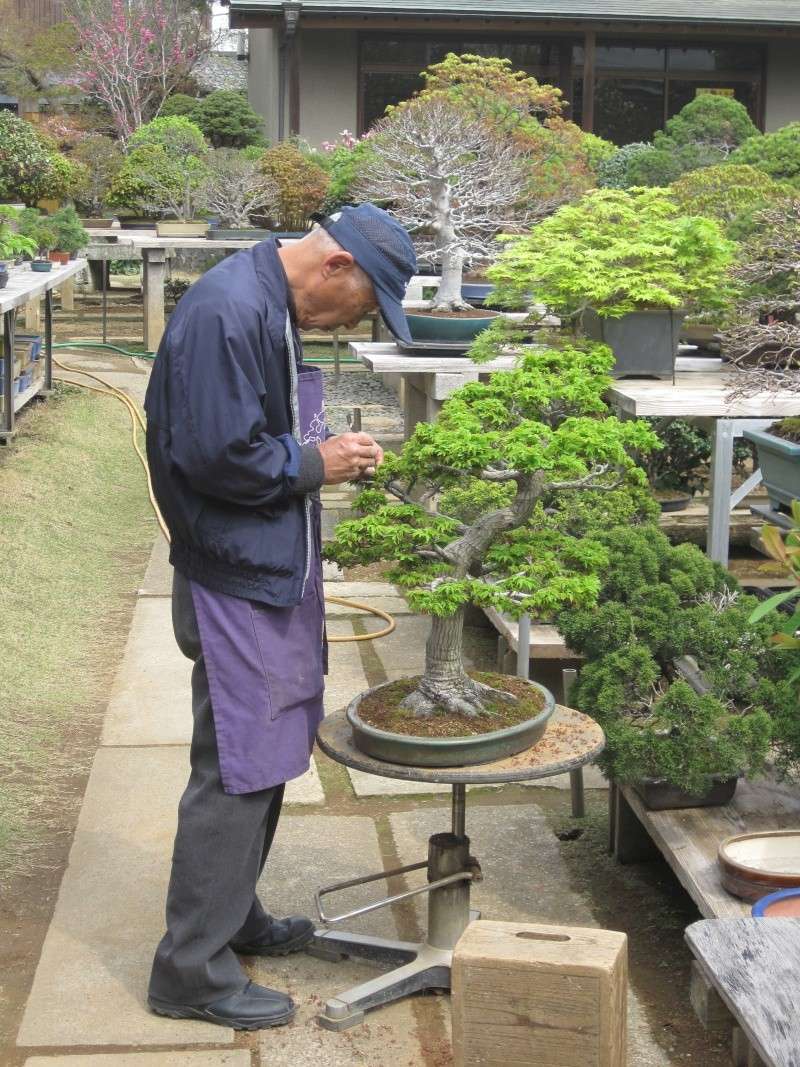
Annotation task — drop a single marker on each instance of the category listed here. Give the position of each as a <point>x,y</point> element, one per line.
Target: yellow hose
<point>137,421</point>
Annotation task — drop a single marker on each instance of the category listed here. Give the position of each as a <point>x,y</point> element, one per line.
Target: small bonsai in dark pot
<point>476,531</point>
<point>45,235</point>
<point>686,687</point>
<point>625,267</point>
<point>779,459</point>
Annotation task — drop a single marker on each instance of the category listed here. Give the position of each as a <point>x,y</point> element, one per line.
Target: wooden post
<point>67,289</point>
<point>554,996</point>
<point>33,316</point>
<point>709,1007</point>
<point>631,842</point>
<point>153,277</point>
<point>589,43</point>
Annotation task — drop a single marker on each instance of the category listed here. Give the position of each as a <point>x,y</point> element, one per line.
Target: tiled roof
<point>726,12</point>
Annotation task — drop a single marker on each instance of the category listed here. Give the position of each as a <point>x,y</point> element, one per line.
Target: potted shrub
<point>46,236</point>
<point>162,174</point>
<point>477,531</point>
<point>626,267</point>
<point>233,189</point>
<point>779,460</point>
<point>71,237</point>
<point>227,120</point>
<point>683,683</point>
<point>30,168</point>
<point>12,243</point>
<point>302,186</point>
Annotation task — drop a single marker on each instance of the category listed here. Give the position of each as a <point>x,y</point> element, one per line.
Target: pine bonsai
<point>486,507</point>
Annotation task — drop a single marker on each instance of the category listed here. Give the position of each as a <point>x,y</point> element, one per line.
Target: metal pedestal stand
<point>571,741</point>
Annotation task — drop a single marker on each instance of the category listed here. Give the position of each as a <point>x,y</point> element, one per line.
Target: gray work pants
<point>220,849</point>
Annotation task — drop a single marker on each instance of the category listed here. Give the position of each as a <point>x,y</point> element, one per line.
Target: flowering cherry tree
<point>133,53</point>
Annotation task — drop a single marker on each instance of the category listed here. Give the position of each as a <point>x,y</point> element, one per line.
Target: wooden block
<point>554,996</point>
<point>709,1007</point>
<point>742,1052</point>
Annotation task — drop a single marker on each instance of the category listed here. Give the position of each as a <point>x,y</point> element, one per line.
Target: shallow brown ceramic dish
<point>753,865</point>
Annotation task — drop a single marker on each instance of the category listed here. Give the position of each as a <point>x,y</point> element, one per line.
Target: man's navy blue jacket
<point>227,472</point>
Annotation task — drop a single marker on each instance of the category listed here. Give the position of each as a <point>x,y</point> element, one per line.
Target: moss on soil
<point>382,710</point>
<point>469,313</point>
<point>787,429</point>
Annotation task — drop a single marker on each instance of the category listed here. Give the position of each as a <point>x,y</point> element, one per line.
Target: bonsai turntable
<point>570,741</point>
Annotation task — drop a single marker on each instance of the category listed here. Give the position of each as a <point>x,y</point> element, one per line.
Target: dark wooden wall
<point>44,12</point>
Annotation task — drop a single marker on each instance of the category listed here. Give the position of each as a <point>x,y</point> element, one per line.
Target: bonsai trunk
<point>445,684</point>
<point>448,296</point>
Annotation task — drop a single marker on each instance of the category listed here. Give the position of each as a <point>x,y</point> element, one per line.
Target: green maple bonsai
<point>474,493</point>
<point>617,251</point>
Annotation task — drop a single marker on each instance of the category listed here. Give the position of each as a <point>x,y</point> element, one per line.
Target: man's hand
<point>349,456</point>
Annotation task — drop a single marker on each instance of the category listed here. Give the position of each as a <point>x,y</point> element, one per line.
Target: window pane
<point>403,51</point>
<point>384,88</point>
<point>682,91</point>
<point>728,58</point>
<point>629,57</point>
<point>628,109</point>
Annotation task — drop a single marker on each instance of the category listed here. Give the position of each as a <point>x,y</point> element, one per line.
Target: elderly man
<point>238,450</point>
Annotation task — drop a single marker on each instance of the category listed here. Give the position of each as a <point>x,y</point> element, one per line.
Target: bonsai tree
<point>614,172</point>
<point>617,251</point>
<point>705,132</point>
<point>30,167</point>
<point>469,523</point>
<point>235,188</point>
<point>451,182</point>
<point>301,182</point>
<point>180,104</point>
<point>776,153</point>
<point>163,169</point>
<point>70,235</point>
<point>227,120</point>
<point>46,237</point>
<point>102,157</point>
<point>728,193</point>
<point>660,604</point>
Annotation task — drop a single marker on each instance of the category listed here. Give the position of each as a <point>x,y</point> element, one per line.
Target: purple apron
<point>265,664</point>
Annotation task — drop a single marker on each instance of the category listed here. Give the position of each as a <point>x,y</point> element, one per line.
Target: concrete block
<point>528,993</point>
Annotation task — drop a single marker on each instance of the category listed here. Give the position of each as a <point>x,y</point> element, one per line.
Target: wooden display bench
<point>688,839</point>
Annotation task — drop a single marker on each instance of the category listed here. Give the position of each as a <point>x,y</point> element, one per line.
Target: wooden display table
<point>25,288</point>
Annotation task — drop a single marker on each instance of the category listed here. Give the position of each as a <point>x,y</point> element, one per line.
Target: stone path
<point>87,1002</point>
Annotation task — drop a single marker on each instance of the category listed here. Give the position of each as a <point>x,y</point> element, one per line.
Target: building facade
<point>624,66</point>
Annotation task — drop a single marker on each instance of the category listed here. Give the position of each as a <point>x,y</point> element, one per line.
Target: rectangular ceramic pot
<point>59,257</point>
<point>219,233</point>
<point>779,461</point>
<point>181,229</point>
<point>659,795</point>
<point>644,343</point>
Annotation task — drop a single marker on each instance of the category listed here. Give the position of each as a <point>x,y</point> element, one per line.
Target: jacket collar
<point>272,277</point>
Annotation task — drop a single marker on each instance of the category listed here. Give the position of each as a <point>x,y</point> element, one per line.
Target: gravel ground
<point>380,411</point>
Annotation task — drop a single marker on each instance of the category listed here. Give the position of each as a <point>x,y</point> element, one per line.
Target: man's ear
<point>336,262</point>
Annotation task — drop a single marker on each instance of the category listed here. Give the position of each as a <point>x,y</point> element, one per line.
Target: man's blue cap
<point>383,250</point>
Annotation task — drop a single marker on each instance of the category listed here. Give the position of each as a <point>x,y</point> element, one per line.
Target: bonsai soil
<point>787,430</point>
<point>382,709</point>
<point>467,313</point>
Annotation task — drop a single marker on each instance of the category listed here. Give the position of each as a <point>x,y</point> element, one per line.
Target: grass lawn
<point>75,534</point>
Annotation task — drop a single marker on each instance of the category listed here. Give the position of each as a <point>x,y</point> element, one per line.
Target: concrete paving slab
<point>371,785</point>
<point>403,652</point>
<point>311,851</point>
<point>387,1036</point>
<point>346,676</point>
<point>158,576</point>
<point>359,590</point>
<point>151,700</point>
<point>183,1058</point>
<point>91,982</point>
<point>307,789</point>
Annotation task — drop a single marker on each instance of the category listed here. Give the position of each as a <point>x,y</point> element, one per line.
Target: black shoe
<point>253,1008</point>
<point>284,936</point>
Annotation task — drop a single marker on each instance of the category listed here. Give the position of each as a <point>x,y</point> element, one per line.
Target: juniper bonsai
<point>468,511</point>
<point>658,605</point>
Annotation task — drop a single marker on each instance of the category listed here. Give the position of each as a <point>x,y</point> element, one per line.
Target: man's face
<point>340,297</point>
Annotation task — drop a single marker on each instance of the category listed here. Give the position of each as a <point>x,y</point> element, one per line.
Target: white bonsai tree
<point>452,183</point>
